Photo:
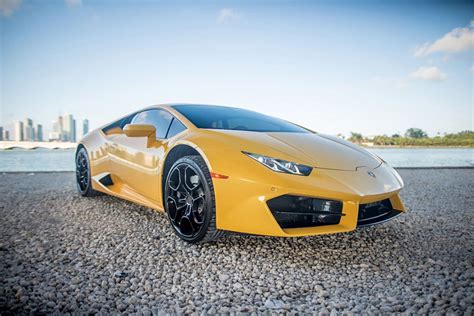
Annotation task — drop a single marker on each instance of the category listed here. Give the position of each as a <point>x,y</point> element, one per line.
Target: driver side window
<point>160,119</point>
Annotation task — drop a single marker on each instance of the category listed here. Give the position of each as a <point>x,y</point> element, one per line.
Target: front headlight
<point>280,165</point>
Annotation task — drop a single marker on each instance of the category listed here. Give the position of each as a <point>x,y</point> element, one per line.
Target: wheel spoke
<point>200,196</point>
<point>175,210</point>
<point>196,216</point>
<point>175,180</point>
<point>191,179</point>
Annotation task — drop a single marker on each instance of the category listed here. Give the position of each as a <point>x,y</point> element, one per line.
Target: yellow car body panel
<point>341,172</point>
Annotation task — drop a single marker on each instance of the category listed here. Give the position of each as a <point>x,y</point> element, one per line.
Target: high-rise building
<point>54,137</point>
<point>39,132</point>
<point>6,135</point>
<point>59,132</point>
<point>29,132</point>
<point>56,126</point>
<point>1,133</point>
<point>73,132</point>
<point>56,134</point>
<point>18,131</point>
<point>85,127</point>
<point>69,127</point>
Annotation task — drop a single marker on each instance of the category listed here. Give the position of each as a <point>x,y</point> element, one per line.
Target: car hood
<point>318,150</point>
<point>328,152</point>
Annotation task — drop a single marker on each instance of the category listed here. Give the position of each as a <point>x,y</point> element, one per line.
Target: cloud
<point>458,40</point>
<point>472,69</point>
<point>7,7</point>
<point>429,74</point>
<point>73,3</point>
<point>226,14</point>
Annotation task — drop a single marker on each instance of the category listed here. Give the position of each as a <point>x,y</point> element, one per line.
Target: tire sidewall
<point>210,207</point>
<point>88,187</point>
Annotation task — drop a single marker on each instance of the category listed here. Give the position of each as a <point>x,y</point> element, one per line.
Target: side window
<point>160,119</point>
<point>175,128</point>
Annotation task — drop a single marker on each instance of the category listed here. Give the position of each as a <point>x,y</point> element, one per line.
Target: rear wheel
<point>83,174</point>
<point>189,200</point>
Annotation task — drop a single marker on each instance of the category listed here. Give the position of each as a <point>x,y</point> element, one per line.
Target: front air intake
<point>298,211</point>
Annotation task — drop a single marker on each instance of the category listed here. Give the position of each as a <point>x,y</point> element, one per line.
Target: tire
<point>83,174</point>
<point>189,201</point>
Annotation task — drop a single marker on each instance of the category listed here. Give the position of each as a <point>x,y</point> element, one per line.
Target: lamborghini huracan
<point>213,169</point>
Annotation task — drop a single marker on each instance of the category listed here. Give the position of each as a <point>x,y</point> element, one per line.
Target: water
<point>426,157</point>
<point>37,160</point>
<point>63,159</point>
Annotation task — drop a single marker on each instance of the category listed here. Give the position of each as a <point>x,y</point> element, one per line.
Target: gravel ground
<point>63,253</point>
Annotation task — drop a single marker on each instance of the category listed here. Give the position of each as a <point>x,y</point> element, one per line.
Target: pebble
<point>64,254</point>
<point>274,304</point>
<point>120,274</point>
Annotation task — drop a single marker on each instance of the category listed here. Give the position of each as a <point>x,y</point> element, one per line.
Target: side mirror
<point>138,130</point>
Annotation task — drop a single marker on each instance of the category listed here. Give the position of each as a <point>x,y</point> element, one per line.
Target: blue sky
<point>334,67</point>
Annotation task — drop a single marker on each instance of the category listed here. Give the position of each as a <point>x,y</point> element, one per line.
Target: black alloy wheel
<point>189,200</point>
<point>83,178</point>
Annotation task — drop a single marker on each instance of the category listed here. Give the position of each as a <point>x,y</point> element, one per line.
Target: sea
<point>37,160</point>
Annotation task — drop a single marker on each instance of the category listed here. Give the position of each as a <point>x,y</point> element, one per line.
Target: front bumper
<point>242,199</point>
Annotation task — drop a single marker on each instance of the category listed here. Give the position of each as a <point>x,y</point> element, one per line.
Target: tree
<point>356,137</point>
<point>415,133</point>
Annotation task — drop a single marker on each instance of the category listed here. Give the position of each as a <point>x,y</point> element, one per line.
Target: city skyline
<point>64,129</point>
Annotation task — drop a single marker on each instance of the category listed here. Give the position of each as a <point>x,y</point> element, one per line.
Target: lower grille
<point>374,213</point>
<point>297,211</point>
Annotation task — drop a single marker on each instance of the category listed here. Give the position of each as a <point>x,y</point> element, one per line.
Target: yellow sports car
<point>213,169</point>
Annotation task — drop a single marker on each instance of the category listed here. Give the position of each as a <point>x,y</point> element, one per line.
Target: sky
<point>373,67</point>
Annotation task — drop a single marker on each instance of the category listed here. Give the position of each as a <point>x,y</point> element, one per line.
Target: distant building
<point>39,132</point>
<point>56,134</point>
<point>85,127</point>
<point>73,132</point>
<point>59,132</point>
<point>6,135</point>
<point>18,129</point>
<point>1,133</point>
<point>54,137</point>
<point>69,127</point>
<point>29,132</point>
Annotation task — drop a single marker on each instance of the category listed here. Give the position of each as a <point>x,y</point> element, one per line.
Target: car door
<point>136,164</point>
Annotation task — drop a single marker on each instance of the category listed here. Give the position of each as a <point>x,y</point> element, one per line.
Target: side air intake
<point>375,213</point>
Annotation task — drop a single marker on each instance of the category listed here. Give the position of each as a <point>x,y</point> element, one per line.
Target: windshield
<point>220,117</point>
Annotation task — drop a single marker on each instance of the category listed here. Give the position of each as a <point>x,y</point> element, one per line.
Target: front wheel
<point>189,200</point>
